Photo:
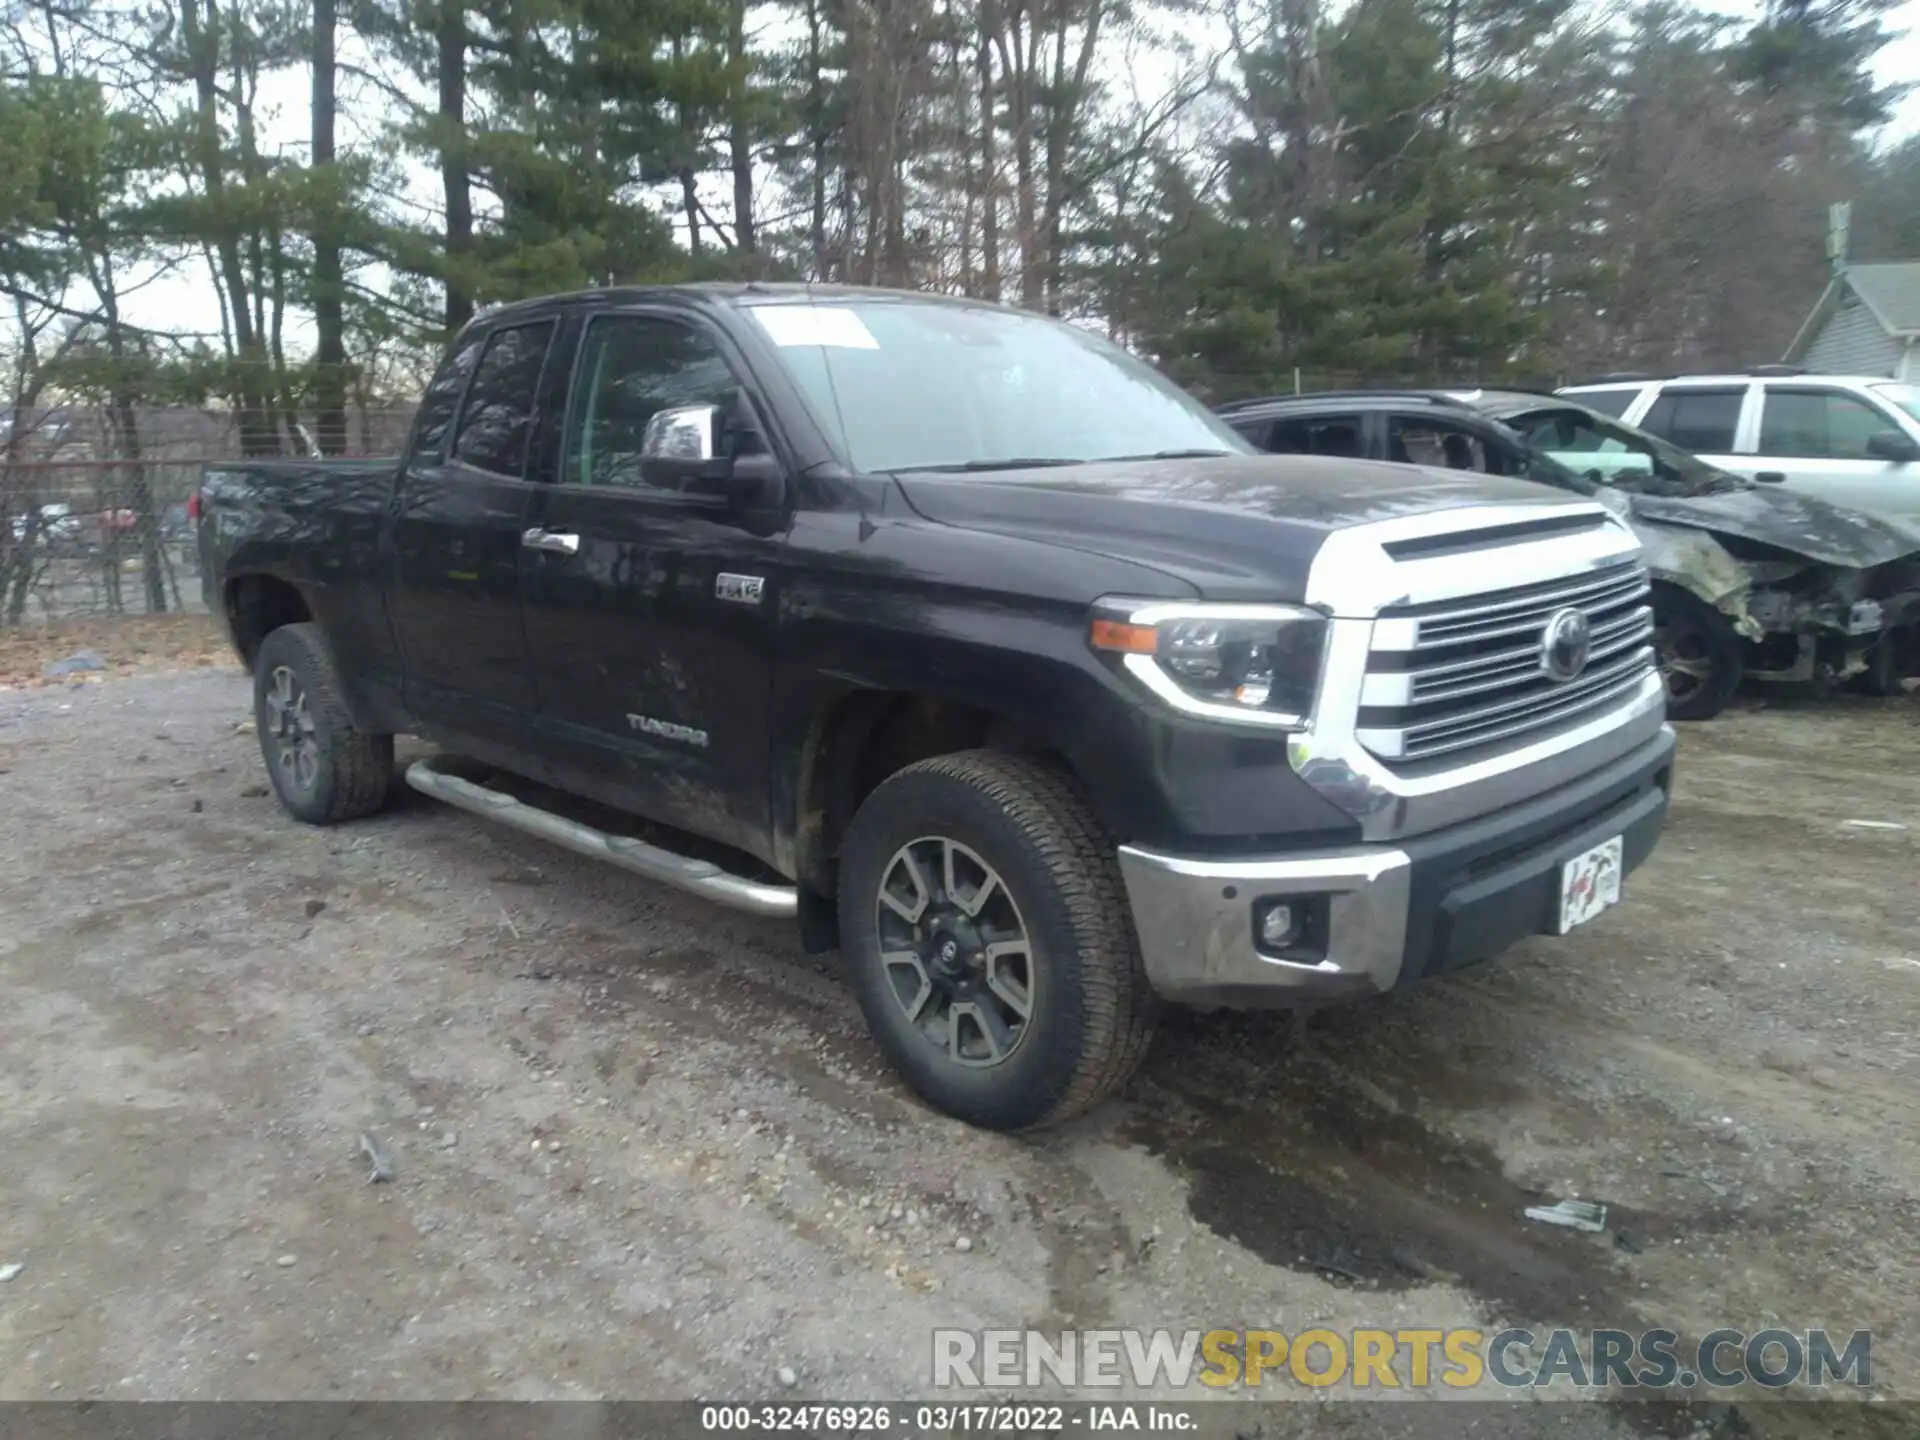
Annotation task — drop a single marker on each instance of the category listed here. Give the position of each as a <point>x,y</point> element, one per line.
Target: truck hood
<point>1798,524</point>
<point>1235,526</point>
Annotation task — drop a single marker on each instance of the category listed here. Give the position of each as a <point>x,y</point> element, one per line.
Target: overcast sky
<point>186,301</point>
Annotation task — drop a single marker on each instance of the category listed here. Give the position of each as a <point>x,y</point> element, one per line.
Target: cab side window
<point>1422,441</point>
<point>1322,435</point>
<point>631,368</point>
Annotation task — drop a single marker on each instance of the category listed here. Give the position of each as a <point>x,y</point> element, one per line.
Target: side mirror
<point>1894,446</point>
<point>681,450</point>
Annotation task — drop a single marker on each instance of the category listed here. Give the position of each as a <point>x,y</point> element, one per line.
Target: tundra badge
<point>667,730</point>
<point>740,589</point>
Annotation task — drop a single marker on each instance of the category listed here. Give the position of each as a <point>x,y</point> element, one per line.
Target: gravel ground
<point>644,1148</point>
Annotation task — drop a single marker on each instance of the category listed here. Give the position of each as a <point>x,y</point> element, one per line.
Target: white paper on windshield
<point>833,325</point>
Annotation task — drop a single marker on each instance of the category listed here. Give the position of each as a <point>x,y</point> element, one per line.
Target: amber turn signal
<point>1119,635</point>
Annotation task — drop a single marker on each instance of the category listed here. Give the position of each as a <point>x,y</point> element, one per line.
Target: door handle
<point>560,542</point>
<point>1770,477</point>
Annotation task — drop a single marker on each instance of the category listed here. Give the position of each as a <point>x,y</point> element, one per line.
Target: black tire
<point>345,774</point>
<point>1889,662</point>
<point>1091,1010</point>
<point>1700,655</point>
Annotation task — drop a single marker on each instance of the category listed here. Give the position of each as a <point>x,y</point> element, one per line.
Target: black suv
<point>1750,580</point>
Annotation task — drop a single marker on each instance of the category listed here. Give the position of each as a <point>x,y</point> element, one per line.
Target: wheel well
<point>865,738</point>
<point>257,605</point>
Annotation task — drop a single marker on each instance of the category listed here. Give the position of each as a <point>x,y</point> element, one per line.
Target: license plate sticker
<point>1589,883</point>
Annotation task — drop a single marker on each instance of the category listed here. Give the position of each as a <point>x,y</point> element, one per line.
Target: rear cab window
<point>435,416</point>
<point>496,419</point>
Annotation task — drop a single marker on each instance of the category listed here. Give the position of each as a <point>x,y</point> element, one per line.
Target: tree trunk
<point>1016,60</point>
<point>740,132</point>
<point>989,165</point>
<point>146,524</point>
<point>817,126</point>
<point>17,567</point>
<point>1063,115</point>
<point>455,178</point>
<point>690,201</point>
<point>329,283</point>
<point>287,412</point>
<point>138,493</point>
<point>202,37</point>
<point>969,173</point>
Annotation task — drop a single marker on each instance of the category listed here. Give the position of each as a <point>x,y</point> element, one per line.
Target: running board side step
<point>699,877</point>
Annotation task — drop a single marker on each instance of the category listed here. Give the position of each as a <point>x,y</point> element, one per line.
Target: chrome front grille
<point>1454,676</point>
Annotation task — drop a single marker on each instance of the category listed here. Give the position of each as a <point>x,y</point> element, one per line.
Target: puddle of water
<point>1324,1183</point>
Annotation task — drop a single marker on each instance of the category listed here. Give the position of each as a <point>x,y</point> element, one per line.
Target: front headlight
<point>1249,664</point>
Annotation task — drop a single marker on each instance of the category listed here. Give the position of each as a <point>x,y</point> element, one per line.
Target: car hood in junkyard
<point>1799,524</point>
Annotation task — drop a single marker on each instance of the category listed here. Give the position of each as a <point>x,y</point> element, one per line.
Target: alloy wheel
<point>955,951</point>
<point>290,730</point>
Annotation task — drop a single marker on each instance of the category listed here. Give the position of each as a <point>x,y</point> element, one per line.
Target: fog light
<point>1279,926</point>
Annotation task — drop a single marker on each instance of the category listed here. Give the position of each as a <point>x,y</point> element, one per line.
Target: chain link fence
<point>90,525</point>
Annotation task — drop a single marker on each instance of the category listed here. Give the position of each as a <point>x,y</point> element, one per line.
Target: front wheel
<point>1890,659</point>
<point>988,939</point>
<point>323,770</point>
<point>1699,654</point>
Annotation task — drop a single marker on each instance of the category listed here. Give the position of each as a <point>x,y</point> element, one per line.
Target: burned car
<point>1750,581</point>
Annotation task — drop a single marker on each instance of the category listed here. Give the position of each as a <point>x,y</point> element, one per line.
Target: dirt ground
<point>644,1148</point>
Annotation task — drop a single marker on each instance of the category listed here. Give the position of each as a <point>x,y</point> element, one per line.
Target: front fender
<point>1699,564</point>
<point>1153,778</point>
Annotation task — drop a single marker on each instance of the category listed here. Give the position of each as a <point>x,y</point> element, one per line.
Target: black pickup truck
<point>988,655</point>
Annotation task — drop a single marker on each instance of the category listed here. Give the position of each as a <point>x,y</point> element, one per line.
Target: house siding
<point>1852,343</point>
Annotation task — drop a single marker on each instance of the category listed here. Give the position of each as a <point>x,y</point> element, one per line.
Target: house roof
<point>1890,291</point>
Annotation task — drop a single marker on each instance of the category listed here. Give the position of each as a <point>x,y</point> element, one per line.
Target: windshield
<point>1907,397</point>
<point>1544,469</point>
<point>901,385</point>
<point>1608,452</point>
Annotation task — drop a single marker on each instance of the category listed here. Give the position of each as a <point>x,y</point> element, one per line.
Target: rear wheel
<point>1699,654</point>
<point>323,770</point>
<point>988,939</point>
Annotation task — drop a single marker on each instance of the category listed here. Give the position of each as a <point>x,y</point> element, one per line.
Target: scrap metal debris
<point>1573,1214</point>
<point>10,1272</point>
<point>377,1158</point>
<point>77,663</point>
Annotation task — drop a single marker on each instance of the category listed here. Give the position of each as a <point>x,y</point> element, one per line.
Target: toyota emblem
<point>1565,643</point>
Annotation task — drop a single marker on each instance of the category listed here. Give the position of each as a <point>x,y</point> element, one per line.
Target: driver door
<point>650,612</point>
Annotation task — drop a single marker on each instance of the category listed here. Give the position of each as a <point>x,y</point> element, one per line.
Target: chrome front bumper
<point>1390,914</point>
<point>1194,919</point>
